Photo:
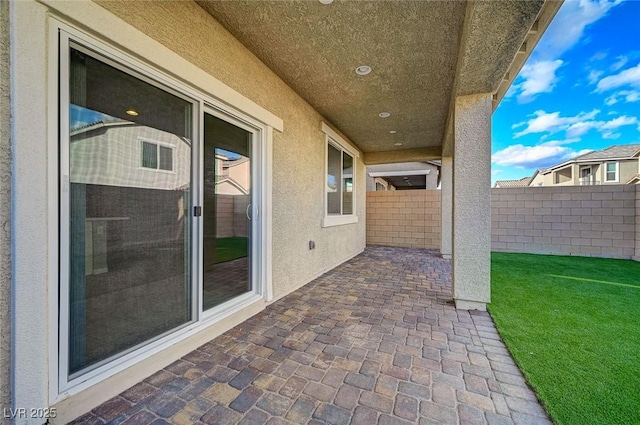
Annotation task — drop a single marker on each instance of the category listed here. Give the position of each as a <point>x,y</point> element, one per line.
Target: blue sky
<point>579,90</point>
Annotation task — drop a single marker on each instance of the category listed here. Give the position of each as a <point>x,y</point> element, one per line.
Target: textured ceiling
<point>412,46</point>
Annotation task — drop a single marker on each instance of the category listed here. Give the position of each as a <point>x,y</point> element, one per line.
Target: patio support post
<point>446,206</point>
<point>472,202</point>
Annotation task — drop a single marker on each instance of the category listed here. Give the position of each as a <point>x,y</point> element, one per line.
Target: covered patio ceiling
<point>422,53</point>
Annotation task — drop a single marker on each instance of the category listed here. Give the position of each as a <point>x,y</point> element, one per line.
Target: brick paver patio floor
<point>375,341</point>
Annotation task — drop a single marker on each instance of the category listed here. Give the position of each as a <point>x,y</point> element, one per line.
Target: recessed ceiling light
<point>363,70</point>
<point>392,132</point>
<point>132,112</point>
<point>397,144</point>
<point>384,114</point>
<point>326,1</point>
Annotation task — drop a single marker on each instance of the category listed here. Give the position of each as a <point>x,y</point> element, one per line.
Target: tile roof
<point>523,182</point>
<point>617,151</point>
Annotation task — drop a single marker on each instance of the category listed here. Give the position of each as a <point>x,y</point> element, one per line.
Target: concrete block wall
<point>405,218</point>
<point>597,221</point>
<point>231,215</point>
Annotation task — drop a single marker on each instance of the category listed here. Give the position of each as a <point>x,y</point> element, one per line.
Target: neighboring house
<point>403,176</point>
<point>234,175</point>
<point>283,84</point>
<point>613,165</point>
<point>523,182</point>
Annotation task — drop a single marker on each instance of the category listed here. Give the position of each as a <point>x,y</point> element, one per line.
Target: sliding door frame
<point>255,237</point>
<point>63,37</point>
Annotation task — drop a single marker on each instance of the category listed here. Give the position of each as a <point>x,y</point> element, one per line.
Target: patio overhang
<point>438,70</point>
<point>423,55</point>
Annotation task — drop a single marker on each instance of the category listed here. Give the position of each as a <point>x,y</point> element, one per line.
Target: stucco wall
<point>594,221</point>
<point>407,218</point>
<point>298,152</point>
<point>628,169</point>
<point>5,212</point>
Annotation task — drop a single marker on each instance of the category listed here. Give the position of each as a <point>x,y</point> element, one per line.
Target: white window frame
<point>591,176</point>
<point>606,173</point>
<point>332,138</point>
<point>61,385</point>
<point>158,145</point>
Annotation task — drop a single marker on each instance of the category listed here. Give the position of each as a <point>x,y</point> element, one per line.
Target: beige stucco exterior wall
<point>5,213</point>
<point>298,178</point>
<point>598,221</point>
<point>406,218</point>
<point>628,169</point>
<point>298,152</point>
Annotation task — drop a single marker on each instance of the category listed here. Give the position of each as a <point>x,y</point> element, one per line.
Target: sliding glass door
<point>127,192</point>
<point>158,208</point>
<point>227,211</point>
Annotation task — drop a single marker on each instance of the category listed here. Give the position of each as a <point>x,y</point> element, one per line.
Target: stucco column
<point>446,206</point>
<point>5,214</point>
<point>472,202</point>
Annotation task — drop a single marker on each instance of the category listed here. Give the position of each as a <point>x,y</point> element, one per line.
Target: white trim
<point>165,145</point>
<point>399,173</point>
<point>267,206</point>
<point>592,161</point>
<point>173,66</point>
<point>339,220</point>
<point>605,172</point>
<point>333,139</point>
<point>53,211</point>
<point>60,386</point>
<point>351,150</point>
<point>30,205</point>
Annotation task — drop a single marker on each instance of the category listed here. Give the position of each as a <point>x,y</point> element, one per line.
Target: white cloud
<point>594,76</point>
<point>622,61</point>
<point>611,100</point>
<point>630,76</point>
<point>619,122</point>
<point>568,26</point>
<point>539,156</point>
<point>538,77</point>
<point>552,122</point>
<point>607,128</point>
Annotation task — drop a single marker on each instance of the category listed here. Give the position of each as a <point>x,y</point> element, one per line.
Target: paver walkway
<point>375,341</point>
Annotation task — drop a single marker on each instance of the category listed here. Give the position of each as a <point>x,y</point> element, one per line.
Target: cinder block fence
<point>598,221</point>
<point>405,218</point>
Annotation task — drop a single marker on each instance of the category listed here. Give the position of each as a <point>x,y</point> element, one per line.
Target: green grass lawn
<point>573,326</point>
<point>228,249</point>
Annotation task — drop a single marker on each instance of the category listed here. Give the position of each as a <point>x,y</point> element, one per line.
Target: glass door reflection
<point>226,212</point>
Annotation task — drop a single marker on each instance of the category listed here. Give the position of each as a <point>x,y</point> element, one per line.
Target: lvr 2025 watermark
<point>29,413</point>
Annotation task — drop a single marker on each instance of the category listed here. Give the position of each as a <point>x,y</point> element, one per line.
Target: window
<point>157,157</point>
<point>340,182</point>
<point>611,172</point>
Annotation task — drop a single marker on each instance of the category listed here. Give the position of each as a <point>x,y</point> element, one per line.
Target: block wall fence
<point>597,221</point>
<point>404,218</point>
